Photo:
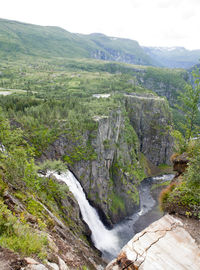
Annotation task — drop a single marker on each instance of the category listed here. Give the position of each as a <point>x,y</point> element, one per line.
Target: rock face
<point>151,119</point>
<point>164,245</point>
<point>180,163</point>
<point>110,178</point>
<point>119,56</point>
<point>107,179</point>
<point>119,50</point>
<point>163,82</point>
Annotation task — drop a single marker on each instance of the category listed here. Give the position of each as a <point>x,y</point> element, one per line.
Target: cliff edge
<point>165,245</point>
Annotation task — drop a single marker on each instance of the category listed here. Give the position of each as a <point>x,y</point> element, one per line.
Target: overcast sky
<point>150,22</point>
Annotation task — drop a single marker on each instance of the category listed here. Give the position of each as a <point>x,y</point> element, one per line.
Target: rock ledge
<point>164,245</point>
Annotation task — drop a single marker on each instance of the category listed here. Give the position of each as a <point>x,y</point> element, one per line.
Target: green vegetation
<point>184,197</point>
<point>52,101</point>
<point>54,165</point>
<point>189,122</point>
<point>170,78</point>
<point>189,106</point>
<point>19,179</point>
<point>18,39</point>
<point>117,205</point>
<point>17,236</point>
<point>58,100</point>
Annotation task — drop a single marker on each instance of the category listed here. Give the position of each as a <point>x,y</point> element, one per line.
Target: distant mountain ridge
<point>173,57</point>
<point>118,49</point>
<point>18,39</point>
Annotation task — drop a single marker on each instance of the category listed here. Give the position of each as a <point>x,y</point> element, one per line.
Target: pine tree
<point>189,100</point>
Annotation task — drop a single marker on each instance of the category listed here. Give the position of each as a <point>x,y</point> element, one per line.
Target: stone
<point>151,118</point>
<point>30,261</point>
<point>180,162</point>
<point>53,266</point>
<point>164,245</point>
<point>36,267</point>
<point>62,264</point>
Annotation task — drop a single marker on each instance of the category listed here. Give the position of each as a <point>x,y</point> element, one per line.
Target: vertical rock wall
<point>150,117</point>
<point>110,179</point>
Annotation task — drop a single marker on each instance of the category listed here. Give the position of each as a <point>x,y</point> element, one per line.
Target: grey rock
<point>53,266</point>
<point>62,264</point>
<point>150,116</point>
<point>109,180</point>
<point>165,245</point>
<point>36,267</point>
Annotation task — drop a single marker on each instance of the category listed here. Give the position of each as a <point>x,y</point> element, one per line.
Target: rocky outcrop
<point>110,179</point>
<point>111,175</point>
<point>180,163</point>
<point>164,245</point>
<point>164,82</point>
<point>110,54</point>
<point>12,261</point>
<point>150,117</point>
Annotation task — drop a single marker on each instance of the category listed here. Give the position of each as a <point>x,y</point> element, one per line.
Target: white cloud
<point>151,22</point>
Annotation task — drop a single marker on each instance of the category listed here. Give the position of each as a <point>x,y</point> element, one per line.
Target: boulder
<point>180,162</point>
<point>164,245</point>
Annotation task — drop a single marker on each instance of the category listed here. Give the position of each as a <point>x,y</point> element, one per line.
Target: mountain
<point>173,57</point>
<point>119,49</point>
<point>18,38</point>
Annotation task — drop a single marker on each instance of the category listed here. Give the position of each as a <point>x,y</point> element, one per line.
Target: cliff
<point>165,244</point>
<point>150,117</point>
<point>122,144</point>
<point>99,176</point>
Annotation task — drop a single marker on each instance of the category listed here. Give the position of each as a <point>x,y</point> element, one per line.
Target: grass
<point>19,237</point>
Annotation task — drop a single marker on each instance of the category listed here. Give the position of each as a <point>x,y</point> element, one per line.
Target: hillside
<point>17,39</point>
<point>118,49</point>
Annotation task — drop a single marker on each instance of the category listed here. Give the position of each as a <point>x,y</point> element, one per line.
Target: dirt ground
<point>10,261</point>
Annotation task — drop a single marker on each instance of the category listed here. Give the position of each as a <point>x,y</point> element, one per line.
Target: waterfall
<point>110,242</point>
<point>103,239</point>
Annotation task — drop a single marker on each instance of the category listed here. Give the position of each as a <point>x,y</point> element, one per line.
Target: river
<point>149,211</point>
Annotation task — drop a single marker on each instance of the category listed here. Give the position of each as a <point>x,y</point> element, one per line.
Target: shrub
<point>165,194</point>
<point>20,237</point>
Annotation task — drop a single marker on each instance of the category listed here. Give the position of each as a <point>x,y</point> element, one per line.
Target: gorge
<point>115,127</point>
<point>121,142</point>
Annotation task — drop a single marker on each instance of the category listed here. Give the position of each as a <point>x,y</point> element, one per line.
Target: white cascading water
<point>103,239</point>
